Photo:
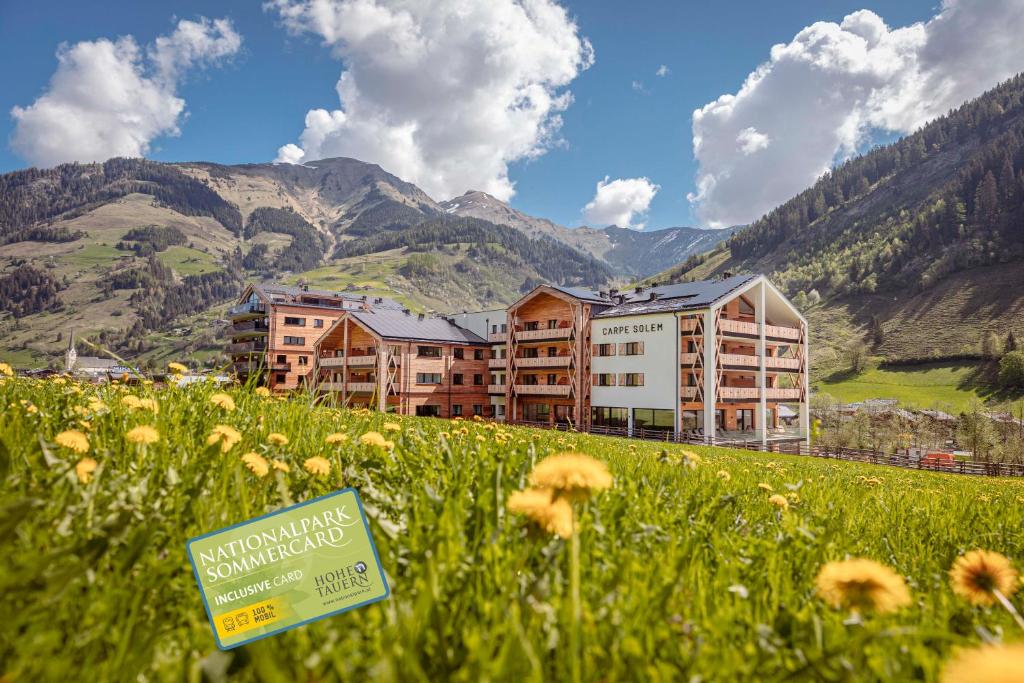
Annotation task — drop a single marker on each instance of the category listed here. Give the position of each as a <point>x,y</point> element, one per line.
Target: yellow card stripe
<point>257,615</point>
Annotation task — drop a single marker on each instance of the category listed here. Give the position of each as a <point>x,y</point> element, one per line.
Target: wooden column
<point>762,382</point>
<point>710,373</point>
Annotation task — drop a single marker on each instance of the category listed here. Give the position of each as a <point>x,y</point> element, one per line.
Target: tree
<point>856,356</point>
<point>1011,343</point>
<point>1011,370</point>
<point>990,346</point>
<point>986,202</point>
<point>975,432</point>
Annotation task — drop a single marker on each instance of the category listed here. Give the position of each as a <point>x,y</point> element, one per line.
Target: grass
<point>684,573</point>
<point>920,386</point>
<point>93,255</point>
<point>187,261</point>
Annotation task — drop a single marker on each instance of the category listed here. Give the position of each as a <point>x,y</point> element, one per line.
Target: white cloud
<point>662,71</point>
<point>818,97</point>
<point>620,202</point>
<point>445,94</point>
<point>107,99</point>
<point>638,86</point>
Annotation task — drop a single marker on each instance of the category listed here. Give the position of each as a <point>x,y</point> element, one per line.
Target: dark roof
<point>677,297</point>
<point>269,289</point>
<point>583,294</point>
<point>393,324</point>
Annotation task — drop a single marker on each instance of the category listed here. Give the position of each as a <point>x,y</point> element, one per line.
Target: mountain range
<point>143,255</point>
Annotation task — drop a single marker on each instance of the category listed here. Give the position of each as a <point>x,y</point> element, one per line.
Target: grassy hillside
<point>949,386</point>
<point>687,569</point>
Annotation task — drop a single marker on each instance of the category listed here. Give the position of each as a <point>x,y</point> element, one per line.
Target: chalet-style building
<point>275,327</point>
<point>714,360</point>
<point>398,361</point>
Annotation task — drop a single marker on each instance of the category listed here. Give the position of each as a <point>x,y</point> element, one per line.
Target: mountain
<point>630,253</point>
<point>916,248</point>
<point>144,256</point>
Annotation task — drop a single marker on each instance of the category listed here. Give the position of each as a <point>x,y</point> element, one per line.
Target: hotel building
<point>713,360</point>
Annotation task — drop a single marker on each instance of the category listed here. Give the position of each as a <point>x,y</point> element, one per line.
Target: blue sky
<point>244,109</point>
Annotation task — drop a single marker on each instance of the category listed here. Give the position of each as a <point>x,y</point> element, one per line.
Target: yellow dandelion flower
<point>692,457</point>
<point>280,466</point>
<point>574,474</point>
<point>336,438</point>
<point>765,487</point>
<point>143,434</point>
<point>130,401</point>
<point>317,466</point>
<point>256,463</point>
<point>277,439</point>
<point>225,435</point>
<point>374,439</point>
<point>978,574</point>
<point>149,404</point>
<point>392,427</point>
<point>480,437</point>
<point>262,391</point>
<point>779,501</point>
<point>177,368</point>
<point>84,469</point>
<point>986,664</point>
<point>724,476</point>
<point>860,584</point>
<point>6,370</point>
<point>554,515</point>
<point>223,401</point>
<point>477,418</point>
<point>96,405</point>
<point>73,440</point>
<point>31,409</point>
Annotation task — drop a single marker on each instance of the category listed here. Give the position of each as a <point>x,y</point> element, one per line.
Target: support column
<point>678,414</point>
<point>805,404</point>
<point>382,373</point>
<point>344,364</point>
<point>762,350</point>
<point>710,374</point>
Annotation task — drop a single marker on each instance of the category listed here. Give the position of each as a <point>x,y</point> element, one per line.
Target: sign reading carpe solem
<point>287,568</point>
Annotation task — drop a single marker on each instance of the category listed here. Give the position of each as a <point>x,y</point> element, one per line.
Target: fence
<point>794,447</point>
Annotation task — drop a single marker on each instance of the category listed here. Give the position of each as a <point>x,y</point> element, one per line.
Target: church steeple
<point>71,355</point>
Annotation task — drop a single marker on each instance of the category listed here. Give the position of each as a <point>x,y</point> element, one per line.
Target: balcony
<point>738,328</point>
<point>783,333</point>
<point>543,389</point>
<point>543,362</point>
<point>740,360</point>
<point>688,359</point>
<point>246,347</point>
<point>738,393</point>
<point>688,392</point>
<point>280,367</point>
<point>540,335</point>
<point>779,394</point>
<point>249,328</point>
<point>688,325</point>
<point>353,387</point>
<point>248,309</point>
<point>778,363</point>
<point>498,363</point>
<point>496,389</point>
<point>497,337</point>
<point>247,367</point>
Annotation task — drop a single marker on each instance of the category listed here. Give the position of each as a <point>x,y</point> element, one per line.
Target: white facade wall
<point>659,362</point>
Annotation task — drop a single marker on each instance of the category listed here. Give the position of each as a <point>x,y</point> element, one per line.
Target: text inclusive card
<point>287,568</point>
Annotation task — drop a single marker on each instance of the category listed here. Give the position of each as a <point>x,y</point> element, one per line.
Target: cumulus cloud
<point>110,98</point>
<point>620,202</point>
<point>445,94</point>
<point>663,71</point>
<point>819,97</point>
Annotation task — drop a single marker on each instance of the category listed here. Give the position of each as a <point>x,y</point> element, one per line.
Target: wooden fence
<point>794,447</point>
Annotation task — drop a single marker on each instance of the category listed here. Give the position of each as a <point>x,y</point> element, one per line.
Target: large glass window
<point>428,378</point>
<point>606,349</point>
<point>563,413</point>
<point>294,341</point>
<point>428,411</point>
<point>609,417</point>
<point>745,420</point>
<point>428,351</point>
<point>652,418</point>
<point>537,412</point>
<point>692,420</point>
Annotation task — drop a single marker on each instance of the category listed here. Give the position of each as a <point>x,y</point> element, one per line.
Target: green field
<point>688,572</point>
<point>187,261</point>
<point>919,386</point>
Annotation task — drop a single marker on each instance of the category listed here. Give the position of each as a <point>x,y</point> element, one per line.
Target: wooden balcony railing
<point>543,362</point>
<point>250,328</point>
<point>497,337</point>
<point>543,389</point>
<point>353,387</point>
<point>247,347</point>
<point>688,358</point>
<point>778,332</point>
<point>535,335</point>
<point>782,363</point>
<point>738,392</point>
<point>780,394</point>
<point>496,363</point>
<point>495,388</point>
<point>738,327</point>
<point>688,392</point>
<point>743,360</point>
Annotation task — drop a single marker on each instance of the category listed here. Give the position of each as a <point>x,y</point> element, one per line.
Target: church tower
<point>71,355</point>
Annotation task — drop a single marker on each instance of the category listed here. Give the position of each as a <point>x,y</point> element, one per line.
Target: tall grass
<point>685,573</point>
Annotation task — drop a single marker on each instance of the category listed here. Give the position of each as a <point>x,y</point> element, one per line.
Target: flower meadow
<point>513,554</point>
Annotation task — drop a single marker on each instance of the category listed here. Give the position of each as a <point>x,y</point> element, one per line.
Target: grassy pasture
<point>688,572</point>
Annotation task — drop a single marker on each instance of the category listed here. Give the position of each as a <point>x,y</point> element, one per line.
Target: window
<point>303,360</point>
<point>691,346</point>
<point>318,322</point>
<point>552,379</point>
<point>530,326</point>
<point>745,420</point>
<point>295,321</point>
<point>606,349</point>
<point>563,414</point>
<point>691,380</point>
<point>504,327</point>
<point>281,358</point>
<point>457,379</point>
<point>494,329</point>
<point>428,411</point>
<point>478,380</point>
<point>633,349</point>
<point>478,409</point>
<point>500,410</point>
<point>529,352</point>
<point>552,351</point>
<point>428,351</point>
<point>605,379</point>
<point>478,354</point>
<point>456,410</point>
<point>609,417</point>
<point>280,379</point>
<point>457,353</point>
<point>537,412</point>
<point>530,380</point>
<point>552,324</point>
<point>647,418</point>
<point>294,341</point>
<point>428,378</point>
<point>692,420</point>
<point>633,379</point>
